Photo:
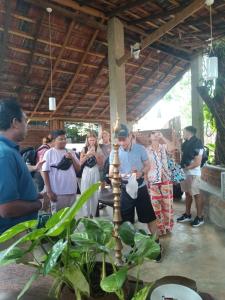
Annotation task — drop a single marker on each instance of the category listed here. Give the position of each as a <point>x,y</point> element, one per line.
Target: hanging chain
<point>50,49</point>
<point>211,32</point>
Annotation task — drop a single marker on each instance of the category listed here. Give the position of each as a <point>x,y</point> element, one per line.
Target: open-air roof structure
<point>170,33</point>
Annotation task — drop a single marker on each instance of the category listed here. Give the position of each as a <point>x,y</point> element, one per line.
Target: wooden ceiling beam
<point>157,34</point>
<point>55,66</point>
<point>126,6</point>
<point>162,94</point>
<point>71,118</point>
<point>26,73</point>
<point>7,20</point>
<point>69,14</point>
<point>30,37</point>
<point>132,77</point>
<point>76,73</point>
<point>98,99</point>
<point>53,57</point>
<point>155,70</point>
<point>154,88</point>
<point>153,17</point>
<point>84,9</point>
<point>143,34</point>
<point>93,79</point>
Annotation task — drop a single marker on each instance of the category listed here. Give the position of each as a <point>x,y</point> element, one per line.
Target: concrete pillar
<point>117,80</point>
<point>196,100</point>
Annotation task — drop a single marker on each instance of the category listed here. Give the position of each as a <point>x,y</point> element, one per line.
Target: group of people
<point>59,169</point>
<point>63,171</point>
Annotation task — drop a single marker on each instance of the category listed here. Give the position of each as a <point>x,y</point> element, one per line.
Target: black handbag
<point>64,164</point>
<point>91,162</point>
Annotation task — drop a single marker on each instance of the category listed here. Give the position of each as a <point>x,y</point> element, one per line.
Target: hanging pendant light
<point>51,99</point>
<point>212,60</point>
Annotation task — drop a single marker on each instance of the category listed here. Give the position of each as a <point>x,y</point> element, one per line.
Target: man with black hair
<point>59,171</point>
<point>192,151</point>
<point>19,200</point>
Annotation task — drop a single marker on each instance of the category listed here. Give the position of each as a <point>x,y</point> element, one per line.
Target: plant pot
<point>174,287</point>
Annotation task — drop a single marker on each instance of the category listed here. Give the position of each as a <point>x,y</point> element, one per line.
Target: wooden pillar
<point>196,100</point>
<point>56,124</point>
<point>117,80</point>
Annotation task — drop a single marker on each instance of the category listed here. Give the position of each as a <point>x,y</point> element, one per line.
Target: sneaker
<point>197,222</point>
<point>184,218</point>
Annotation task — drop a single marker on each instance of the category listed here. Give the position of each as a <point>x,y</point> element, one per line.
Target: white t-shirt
<point>63,182</point>
<point>195,171</point>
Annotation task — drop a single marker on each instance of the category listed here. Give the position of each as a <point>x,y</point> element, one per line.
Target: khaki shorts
<point>191,185</point>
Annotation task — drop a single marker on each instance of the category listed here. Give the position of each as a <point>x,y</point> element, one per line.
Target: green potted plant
<point>76,252</point>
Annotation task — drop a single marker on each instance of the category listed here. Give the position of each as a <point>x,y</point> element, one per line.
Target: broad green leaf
<point>96,231</point>
<point>84,243</point>
<point>76,279</point>
<point>34,235</point>
<point>71,213</point>
<point>55,218</point>
<point>143,293</point>
<point>28,285</point>
<point>146,246</point>
<point>114,282</point>
<point>5,254</point>
<point>54,254</point>
<point>18,228</point>
<point>8,257</point>
<point>56,288</point>
<point>127,233</point>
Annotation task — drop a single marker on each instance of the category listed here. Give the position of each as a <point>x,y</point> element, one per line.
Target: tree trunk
<point>217,108</point>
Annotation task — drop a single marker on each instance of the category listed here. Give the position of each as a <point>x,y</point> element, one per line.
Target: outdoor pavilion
<point>94,75</point>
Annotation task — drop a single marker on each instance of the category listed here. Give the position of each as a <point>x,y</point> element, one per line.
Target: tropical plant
<point>71,249</point>
<point>213,95</point>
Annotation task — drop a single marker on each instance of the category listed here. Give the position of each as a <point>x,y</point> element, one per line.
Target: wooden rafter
<point>163,93</point>
<point>69,14</point>
<point>26,74</point>
<point>151,75</point>
<point>131,78</point>
<point>55,67</point>
<point>154,87</point>
<point>178,18</point>
<point>76,73</point>
<point>85,9</point>
<point>127,6</point>
<point>58,45</point>
<point>155,70</point>
<point>92,81</point>
<point>161,15</point>
<point>71,118</point>
<point>106,88</point>
<point>7,19</point>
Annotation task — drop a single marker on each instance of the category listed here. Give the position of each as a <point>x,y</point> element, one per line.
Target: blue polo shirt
<point>15,181</point>
<point>130,159</point>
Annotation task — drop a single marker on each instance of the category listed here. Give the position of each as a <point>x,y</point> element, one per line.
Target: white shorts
<point>191,185</point>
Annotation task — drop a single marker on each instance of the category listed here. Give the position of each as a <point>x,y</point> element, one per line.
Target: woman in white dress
<point>91,158</point>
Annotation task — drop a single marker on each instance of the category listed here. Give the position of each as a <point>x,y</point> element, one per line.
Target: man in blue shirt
<point>19,200</point>
<point>134,159</point>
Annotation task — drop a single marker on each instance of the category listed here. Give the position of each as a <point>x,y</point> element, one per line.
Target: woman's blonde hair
<point>93,135</point>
